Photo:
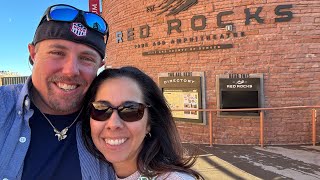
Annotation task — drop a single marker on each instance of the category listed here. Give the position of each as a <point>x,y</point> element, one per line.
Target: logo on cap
<point>78,29</point>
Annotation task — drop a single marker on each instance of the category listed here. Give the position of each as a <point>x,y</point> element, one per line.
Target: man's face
<point>62,73</point>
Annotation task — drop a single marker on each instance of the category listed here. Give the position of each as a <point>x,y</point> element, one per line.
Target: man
<point>40,134</point>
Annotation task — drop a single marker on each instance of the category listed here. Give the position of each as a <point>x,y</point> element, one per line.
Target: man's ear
<point>32,53</point>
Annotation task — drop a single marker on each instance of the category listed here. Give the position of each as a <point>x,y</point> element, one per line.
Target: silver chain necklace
<point>61,134</point>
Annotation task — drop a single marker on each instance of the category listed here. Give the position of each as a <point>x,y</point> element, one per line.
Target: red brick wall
<point>287,53</point>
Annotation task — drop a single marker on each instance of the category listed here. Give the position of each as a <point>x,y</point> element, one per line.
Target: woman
<point>129,124</point>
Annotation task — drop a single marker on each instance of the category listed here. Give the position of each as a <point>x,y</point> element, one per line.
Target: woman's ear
<point>148,129</point>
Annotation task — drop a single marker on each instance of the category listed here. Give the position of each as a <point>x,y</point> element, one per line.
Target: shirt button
<point>22,139</point>
<point>5,179</point>
<point>26,102</point>
<point>19,112</point>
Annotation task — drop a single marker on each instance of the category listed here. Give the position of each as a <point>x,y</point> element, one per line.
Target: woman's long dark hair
<point>162,152</point>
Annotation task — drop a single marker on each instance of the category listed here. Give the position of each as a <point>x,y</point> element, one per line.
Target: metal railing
<point>261,115</point>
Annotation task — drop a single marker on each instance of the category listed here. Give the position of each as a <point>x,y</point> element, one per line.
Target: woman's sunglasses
<point>66,13</point>
<point>129,111</point>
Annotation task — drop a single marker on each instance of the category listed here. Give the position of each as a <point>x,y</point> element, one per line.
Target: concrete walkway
<point>253,162</point>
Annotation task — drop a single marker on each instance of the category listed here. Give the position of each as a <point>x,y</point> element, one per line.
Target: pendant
<point>61,134</point>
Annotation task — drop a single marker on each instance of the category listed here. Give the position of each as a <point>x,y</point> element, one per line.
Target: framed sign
<point>183,99</point>
<point>238,91</point>
<point>184,91</point>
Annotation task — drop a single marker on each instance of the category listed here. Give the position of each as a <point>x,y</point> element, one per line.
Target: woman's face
<point>119,141</point>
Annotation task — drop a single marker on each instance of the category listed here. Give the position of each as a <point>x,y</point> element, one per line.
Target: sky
<point>18,24</point>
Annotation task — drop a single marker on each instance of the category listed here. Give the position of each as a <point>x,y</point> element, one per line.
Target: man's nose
<point>71,66</point>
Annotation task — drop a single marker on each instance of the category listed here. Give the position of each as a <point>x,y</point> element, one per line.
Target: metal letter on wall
<point>130,34</point>
<point>174,24</point>
<point>287,15</point>
<point>144,31</point>
<point>219,18</point>
<point>203,23</point>
<point>253,16</point>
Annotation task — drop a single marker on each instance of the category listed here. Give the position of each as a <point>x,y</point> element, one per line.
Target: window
<point>239,99</point>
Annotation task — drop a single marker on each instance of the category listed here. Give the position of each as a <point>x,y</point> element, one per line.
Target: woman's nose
<point>114,122</point>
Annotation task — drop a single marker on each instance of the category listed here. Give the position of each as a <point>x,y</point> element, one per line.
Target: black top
<point>47,158</point>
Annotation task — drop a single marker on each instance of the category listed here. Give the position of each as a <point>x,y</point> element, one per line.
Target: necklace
<point>61,134</point>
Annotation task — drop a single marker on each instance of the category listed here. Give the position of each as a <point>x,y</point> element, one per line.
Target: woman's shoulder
<point>176,176</point>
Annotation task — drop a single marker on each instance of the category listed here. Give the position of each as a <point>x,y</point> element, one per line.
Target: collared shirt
<point>15,135</point>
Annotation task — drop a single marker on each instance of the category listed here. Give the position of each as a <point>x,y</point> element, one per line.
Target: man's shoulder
<point>11,87</point>
<point>9,95</point>
<point>10,91</point>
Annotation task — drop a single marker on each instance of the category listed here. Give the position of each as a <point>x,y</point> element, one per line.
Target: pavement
<point>228,162</point>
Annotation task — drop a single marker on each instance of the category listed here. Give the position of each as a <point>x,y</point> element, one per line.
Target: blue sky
<point>19,21</point>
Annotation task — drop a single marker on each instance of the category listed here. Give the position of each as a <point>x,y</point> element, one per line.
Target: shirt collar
<point>23,99</point>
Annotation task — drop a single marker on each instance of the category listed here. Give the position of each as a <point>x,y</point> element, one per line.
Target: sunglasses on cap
<point>128,111</point>
<point>66,13</point>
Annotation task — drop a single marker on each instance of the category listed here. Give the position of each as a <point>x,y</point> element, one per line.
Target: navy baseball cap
<point>76,31</point>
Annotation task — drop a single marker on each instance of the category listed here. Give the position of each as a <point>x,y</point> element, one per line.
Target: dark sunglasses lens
<point>96,22</point>
<point>131,112</point>
<point>100,115</point>
<point>63,13</point>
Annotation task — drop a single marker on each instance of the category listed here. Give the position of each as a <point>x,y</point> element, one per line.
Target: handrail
<point>314,129</point>
<point>261,129</point>
<point>313,119</point>
<point>249,109</point>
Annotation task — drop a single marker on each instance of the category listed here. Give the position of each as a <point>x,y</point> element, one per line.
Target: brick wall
<point>286,53</point>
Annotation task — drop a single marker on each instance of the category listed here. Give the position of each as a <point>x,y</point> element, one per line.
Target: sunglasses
<point>66,13</point>
<point>128,111</point>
